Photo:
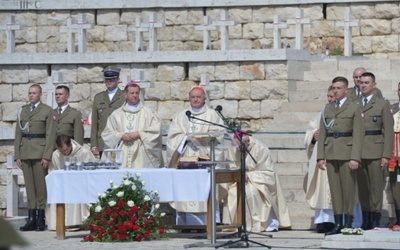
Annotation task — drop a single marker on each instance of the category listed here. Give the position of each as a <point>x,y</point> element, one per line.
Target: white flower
<point>103,195</point>
<point>115,186</point>
<point>111,181</point>
<point>157,205</point>
<point>85,218</point>
<point>156,192</point>
<point>146,198</point>
<point>133,187</point>
<point>98,194</point>
<point>111,203</point>
<point>125,175</point>
<point>120,194</point>
<point>138,175</point>
<point>143,183</point>
<point>97,209</point>
<point>162,214</point>
<point>90,205</point>
<point>131,203</point>
<point>127,182</point>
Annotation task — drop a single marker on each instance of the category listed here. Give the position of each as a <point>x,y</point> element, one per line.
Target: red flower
<point>134,209</point>
<point>98,217</point>
<point>112,223</point>
<point>114,215</point>
<point>133,219</point>
<point>146,234</point>
<point>138,238</point>
<point>114,237</point>
<point>95,229</point>
<point>91,238</point>
<point>135,227</point>
<point>111,230</point>
<point>104,222</point>
<point>147,224</point>
<point>141,216</point>
<point>100,236</point>
<point>151,217</point>
<point>145,207</point>
<point>122,212</point>
<point>121,203</point>
<point>122,237</point>
<point>121,229</point>
<point>161,230</point>
<point>107,211</point>
<point>128,225</point>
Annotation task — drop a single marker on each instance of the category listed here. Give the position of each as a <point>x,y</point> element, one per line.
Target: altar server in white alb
<point>136,130</point>
<point>266,208</point>
<point>179,145</point>
<point>74,213</point>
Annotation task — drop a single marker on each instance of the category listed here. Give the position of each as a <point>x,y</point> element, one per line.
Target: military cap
<point>111,72</point>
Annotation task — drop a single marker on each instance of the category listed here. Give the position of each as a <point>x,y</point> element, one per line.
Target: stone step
<point>312,85</point>
<point>309,106</point>
<point>16,221</point>
<point>291,182</point>
<point>291,168</point>
<point>281,140</point>
<point>308,95</point>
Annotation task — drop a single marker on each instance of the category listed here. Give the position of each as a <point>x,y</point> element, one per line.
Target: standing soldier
<point>104,104</point>
<point>376,152</point>
<point>68,120</point>
<point>339,151</point>
<point>34,145</point>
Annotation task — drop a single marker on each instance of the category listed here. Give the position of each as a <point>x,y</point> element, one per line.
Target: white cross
<point>223,29</point>
<point>10,29</point>
<point>79,28</point>
<point>206,27</point>
<point>142,83</point>
<point>151,26</point>
<point>50,86</point>
<point>275,26</point>
<point>299,21</point>
<point>205,84</point>
<point>347,24</point>
<point>139,29</point>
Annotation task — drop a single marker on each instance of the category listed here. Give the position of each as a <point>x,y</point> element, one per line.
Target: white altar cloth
<point>73,187</point>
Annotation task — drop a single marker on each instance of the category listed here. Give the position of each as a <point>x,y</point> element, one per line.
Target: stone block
<point>314,11</point>
<point>271,89</point>
<point>235,31</point>
<point>322,28</point>
<point>362,11</point>
<point>10,111</point>
<point>26,48</point>
<point>374,27</point>
<point>239,90</point>
<point>227,71</point>
<point>251,71</point>
<point>7,148</point>
<point>362,45</point>
<point>160,15</point>
<point>115,33</point>
<point>170,72</point>
<point>249,109</point>
<point>229,107</point>
<point>5,93</point>
<point>253,30</point>
<point>263,14</point>
<point>51,47</point>
<point>195,16</point>
<point>89,74</point>
<point>108,17</point>
<point>20,93</point>
<point>336,11</point>
<point>168,109</point>
<point>386,10</point>
<point>96,34</point>
<point>291,168</point>
<point>164,34</point>
<point>240,44</point>
<point>296,69</point>
<point>192,45</point>
<point>49,18</point>
<point>241,15</point>
<point>269,107</point>
<point>183,32</point>
<point>48,34</point>
<point>160,92</point>
<point>219,93</point>
<point>15,74</point>
<point>170,46</point>
<point>27,35</point>
<point>150,72</point>
<point>69,72</point>
<point>384,44</point>
<point>37,73</point>
<point>176,17</point>
<point>96,88</point>
<point>153,105</point>
<point>276,70</point>
<point>3,197</point>
<point>80,92</point>
<point>180,90</point>
<point>292,156</point>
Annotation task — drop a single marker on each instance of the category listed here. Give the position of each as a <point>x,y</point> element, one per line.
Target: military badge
<point>54,118</point>
<point>374,119</point>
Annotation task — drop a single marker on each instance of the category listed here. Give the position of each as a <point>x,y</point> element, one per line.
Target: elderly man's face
<point>197,98</point>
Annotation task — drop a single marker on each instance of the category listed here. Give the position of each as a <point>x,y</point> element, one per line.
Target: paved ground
<point>280,240</point>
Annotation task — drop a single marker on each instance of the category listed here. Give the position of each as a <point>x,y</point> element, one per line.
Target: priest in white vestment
<point>179,145</point>
<point>266,208</point>
<point>75,214</point>
<point>136,131</point>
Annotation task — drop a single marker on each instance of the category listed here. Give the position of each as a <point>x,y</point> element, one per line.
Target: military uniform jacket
<point>347,118</point>
<point>352,95</point>
<point>40,122</point>
<point>395,108</point>
<point>69,123</point>
<point>377,117</point>
<point>101,110</point>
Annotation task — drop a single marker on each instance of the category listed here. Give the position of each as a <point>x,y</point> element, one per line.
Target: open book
<point>193,162</point>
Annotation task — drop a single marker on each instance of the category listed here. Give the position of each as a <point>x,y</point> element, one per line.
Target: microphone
<point>218,108</point>
<point>189,114</point>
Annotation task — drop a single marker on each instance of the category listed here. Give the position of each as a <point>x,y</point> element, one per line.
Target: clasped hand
<point>130,137</point>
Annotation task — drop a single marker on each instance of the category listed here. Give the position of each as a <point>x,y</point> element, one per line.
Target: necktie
<point>337,104</point>
<point>365,102</point>
<point>59,110</point>
<point>32,107</point>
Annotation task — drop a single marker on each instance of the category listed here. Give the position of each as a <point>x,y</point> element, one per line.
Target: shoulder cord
<point>24,129</point>
<point>330,124</point>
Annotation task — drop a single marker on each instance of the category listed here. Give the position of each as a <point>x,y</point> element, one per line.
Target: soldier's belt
<point>340,134</point>
<point>373,132</point>
<point>30,136</point>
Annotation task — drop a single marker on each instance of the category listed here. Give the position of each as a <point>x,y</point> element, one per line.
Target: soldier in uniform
<point>394,165</point>
<point>339,151</point>
<point>376,152</point>
<point>68,120</point>
<point>34,145</point>
<point>355,92</point>
<point>104,104</point>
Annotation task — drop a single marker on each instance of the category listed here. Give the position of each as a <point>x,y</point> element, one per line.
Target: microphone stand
<point>243,233</point>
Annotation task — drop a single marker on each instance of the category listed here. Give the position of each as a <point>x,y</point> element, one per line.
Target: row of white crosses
<point>81,26</point>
